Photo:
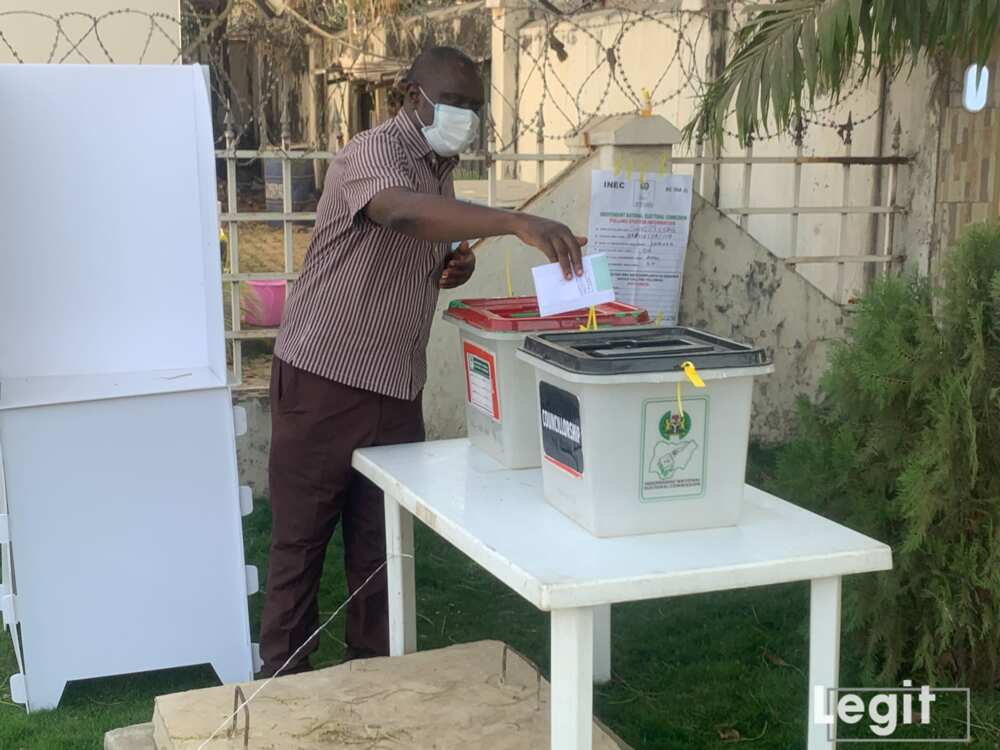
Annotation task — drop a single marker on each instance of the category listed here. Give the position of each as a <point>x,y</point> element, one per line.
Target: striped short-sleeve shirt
<point>361,311</point>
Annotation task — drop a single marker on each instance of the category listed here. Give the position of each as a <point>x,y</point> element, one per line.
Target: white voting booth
<point>120,507</point>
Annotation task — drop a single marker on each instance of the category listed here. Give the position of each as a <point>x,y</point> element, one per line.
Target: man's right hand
<point>556,240</point>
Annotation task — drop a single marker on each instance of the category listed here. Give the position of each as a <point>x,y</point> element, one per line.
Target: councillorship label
<point>562,438</point>
<point>673,449</point>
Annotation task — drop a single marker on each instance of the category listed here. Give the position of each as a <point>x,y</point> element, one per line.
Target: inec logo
<point>675,425</point>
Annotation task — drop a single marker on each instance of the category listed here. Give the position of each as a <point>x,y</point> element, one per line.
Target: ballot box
<point>644,431</point>
<point>120,506</point>
<point>501,405</point>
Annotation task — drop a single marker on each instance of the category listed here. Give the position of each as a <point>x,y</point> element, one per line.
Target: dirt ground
<point>257,366</point>
<point>261,247</point>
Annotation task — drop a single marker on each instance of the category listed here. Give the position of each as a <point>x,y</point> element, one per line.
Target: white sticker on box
<point>481,380</point>
<point>674,443</point>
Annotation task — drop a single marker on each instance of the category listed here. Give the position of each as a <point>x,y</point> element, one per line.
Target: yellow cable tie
<point>510,284</point>
<point>647,104</point>
<point>680,405</point>
<point>692,374</point>
<point>663,163</point>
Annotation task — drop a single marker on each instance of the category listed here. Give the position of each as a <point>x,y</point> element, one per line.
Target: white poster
<point>643,227</point>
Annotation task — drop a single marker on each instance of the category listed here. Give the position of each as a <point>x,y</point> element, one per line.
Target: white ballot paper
<point>642,226</point>
<point>557,295</point>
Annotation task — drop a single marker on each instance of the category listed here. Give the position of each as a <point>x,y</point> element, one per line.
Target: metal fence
<point>704,169</point>
<point>884,208</point>
<point>695,43</point>
<point>232,217</point>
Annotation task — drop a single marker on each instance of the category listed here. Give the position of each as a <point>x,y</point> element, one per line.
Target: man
<point>350,359</point>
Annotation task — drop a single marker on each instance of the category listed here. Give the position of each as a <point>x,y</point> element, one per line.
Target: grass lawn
<point>694,673</point>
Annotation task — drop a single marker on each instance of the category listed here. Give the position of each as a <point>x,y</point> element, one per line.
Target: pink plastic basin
<point>263,303</point>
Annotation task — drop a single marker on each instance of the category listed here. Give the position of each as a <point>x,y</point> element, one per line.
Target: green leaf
<point>810,54</point>
<point>744,106</point>
<point>916,31</point>
<point>833,41</point>
<point>766,79</point>
<point>866,29</point>
<point>986,41</point>
<point>827,33</point>
<point>842,14</point>
<point>789,94</point>
<point>855,11</point>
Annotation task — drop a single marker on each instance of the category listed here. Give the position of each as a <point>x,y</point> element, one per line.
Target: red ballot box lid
<point>520,315</point>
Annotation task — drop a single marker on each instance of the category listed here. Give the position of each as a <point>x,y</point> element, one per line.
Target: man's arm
<point>432,217</point>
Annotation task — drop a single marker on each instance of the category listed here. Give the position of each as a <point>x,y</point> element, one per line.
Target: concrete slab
<point>474,695</point>
<point>136,737</point>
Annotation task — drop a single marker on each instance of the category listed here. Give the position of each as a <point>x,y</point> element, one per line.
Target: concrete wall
<point>968,175</point>
<point>822,185</point>
<point>124,34</point>
<point>577,84</point>
<point>569,89</point>
<point>914,104</point>
<point>736,287</point>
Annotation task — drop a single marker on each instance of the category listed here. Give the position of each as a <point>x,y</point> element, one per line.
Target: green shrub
<point>904,445</point>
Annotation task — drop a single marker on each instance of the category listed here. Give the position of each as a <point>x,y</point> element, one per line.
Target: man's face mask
<point>453,129</point>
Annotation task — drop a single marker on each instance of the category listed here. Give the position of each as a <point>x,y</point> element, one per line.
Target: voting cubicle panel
<point>121,515</point>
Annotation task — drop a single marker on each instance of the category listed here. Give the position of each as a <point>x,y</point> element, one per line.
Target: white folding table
<point>498,518</point>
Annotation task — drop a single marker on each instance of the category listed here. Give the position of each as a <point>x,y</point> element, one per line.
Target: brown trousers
<point>316,424</point>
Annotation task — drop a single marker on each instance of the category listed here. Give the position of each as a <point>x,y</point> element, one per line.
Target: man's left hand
<point>458,267</point>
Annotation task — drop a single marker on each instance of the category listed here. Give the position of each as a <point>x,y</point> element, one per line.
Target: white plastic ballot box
<point>500,402</point>
<point>631,444</point>
<point>120,506</point>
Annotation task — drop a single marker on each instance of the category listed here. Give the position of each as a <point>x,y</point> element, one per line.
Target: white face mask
<point>453,129</point>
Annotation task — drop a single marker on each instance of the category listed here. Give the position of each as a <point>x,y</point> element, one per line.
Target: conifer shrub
<point>903,444</point>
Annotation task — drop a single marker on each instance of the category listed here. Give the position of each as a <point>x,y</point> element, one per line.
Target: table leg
<point>572,697</point>
<point>824,658</point>
<point>401,584</point>
<point>602,644</point>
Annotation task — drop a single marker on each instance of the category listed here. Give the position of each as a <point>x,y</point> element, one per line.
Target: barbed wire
<point>606,33</point>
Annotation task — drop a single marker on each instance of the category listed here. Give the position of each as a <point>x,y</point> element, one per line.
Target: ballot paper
<point>642,223</point>
<point>557,295</point>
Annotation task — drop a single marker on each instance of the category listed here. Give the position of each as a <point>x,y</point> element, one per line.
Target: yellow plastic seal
<point>692,375</point>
